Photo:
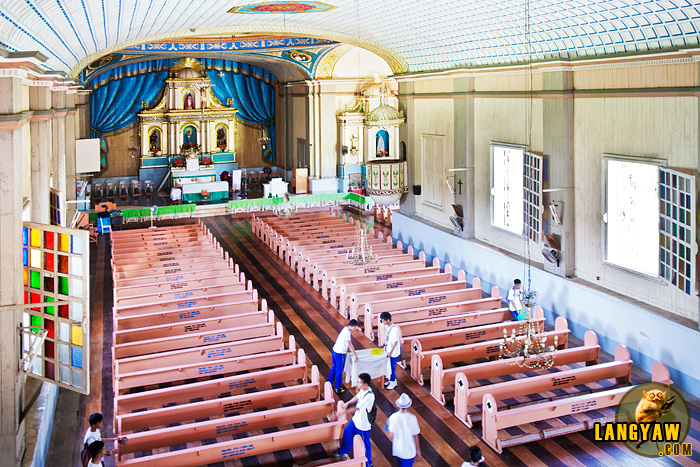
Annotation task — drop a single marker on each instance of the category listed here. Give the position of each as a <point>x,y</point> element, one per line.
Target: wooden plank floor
<point>315,324</point>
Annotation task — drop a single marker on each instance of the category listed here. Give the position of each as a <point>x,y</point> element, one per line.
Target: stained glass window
<point>55,338</point>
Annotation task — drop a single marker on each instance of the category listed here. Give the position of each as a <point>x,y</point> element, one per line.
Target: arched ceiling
<point>412,35</point>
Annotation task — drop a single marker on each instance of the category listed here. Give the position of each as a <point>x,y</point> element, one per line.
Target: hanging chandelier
<point>361,254</point>
<point>530,343</point>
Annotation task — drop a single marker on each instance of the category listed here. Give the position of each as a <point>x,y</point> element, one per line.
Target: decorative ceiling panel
<point>414,35</point>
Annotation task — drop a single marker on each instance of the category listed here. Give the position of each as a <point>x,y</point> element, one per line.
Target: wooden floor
<point>445,441</point>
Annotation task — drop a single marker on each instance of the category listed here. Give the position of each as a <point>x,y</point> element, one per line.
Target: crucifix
<point>460,186</point>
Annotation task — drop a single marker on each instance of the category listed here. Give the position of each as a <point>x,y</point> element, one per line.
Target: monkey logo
<point>652,406</point>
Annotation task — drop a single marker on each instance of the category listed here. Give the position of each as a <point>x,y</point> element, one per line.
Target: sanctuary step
<point>208,210</point>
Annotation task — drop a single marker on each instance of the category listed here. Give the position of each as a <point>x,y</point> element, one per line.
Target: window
<point>516,190</point>
<point>649,220</point>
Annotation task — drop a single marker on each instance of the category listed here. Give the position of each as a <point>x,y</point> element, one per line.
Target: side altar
<point>188,130</point>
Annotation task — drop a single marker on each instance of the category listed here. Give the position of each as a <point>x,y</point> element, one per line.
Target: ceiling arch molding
<point>397,63</point>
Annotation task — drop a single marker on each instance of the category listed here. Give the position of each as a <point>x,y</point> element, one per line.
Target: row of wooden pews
<point>453,335</point>
<point>202,371</point>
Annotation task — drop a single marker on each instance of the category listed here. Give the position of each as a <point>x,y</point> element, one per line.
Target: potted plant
<point>179,163</point>
<point>206,160</point>
<point>204,194</point>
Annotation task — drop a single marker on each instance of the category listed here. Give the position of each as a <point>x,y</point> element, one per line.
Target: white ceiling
<point>414,35</point>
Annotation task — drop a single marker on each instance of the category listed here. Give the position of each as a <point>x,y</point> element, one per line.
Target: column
<point>40,131</point>
<point>464,151</point>
<point>71,174</point>
<point>59,156</point>
<point>407,133</point>
<point>558,146</point>
<point>14,130</point>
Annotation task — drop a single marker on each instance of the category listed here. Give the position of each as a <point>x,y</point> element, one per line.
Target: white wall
<point>359,62</point>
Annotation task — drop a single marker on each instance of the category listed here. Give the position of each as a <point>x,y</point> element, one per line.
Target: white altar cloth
<point>375,365</point>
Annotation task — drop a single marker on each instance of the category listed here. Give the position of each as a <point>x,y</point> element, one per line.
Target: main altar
<point>188,132</point>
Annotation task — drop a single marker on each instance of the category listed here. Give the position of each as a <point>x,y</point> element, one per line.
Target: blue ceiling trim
<point>119,21</point>
<point>87,18</point>
<point>20,28</point>
<point>104,22</point>
<point>145,16</point>
<point>41,17</point>
<point>58,2</point>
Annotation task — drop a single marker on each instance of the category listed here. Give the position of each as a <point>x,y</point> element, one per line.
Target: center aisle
<point>315,325</point>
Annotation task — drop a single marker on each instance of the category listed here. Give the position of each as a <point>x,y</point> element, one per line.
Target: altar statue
<point>189,101</point>
<point>155,141</point>
<point>190,137</point>
<point>221,138</point>
<point>382,146</point>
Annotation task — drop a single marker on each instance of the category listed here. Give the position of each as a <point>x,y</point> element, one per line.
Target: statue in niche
<point>221,138</point>
<point>382,143</point>
<point>189,101</point>
<point>189,140</point>
<point>154,141</point>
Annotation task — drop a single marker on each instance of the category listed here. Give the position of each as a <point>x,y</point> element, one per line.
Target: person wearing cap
<point>342,344</point>
<point>475,458</point>
<point>403,431</point>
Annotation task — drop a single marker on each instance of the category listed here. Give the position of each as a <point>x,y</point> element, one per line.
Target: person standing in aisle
<point>392,347</point>
<point>342,344</point>
<point>403,431</point>
<point>360,423</point>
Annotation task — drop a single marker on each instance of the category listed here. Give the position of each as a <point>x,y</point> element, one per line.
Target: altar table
<point>377,366</point>
<point>192,191</point>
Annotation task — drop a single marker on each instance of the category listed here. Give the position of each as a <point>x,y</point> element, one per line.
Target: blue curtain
<point>117,94</point>
<point>252,90</point>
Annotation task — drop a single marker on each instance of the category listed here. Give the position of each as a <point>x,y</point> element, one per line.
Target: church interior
<point>201,194</point>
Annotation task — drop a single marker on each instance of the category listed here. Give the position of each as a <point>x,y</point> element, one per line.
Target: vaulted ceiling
<point>412,35</point>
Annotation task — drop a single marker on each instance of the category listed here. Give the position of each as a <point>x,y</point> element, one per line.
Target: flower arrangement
<point>206,160</point>
<point>204,193</point>
<point>383,154</point>
<point>178,162</point>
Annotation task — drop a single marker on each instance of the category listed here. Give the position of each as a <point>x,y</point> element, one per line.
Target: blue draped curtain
<point>117,94</point>
<point>252,90</point>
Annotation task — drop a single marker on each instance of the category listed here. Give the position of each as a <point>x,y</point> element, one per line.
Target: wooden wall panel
<point>638,77</point>
<point>122,161</point>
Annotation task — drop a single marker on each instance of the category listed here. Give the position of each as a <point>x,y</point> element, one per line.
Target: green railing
<point>300,199</point>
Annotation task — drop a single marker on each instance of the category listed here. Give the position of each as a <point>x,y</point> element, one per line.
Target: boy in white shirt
<point>403,431</point>
<point>392,347</point>
<point>515,299</point>
<point>342,344</point>
<point>359,423</point>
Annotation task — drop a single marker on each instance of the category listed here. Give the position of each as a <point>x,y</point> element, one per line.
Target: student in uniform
<point>342,344</point>
<point>403,431</point>
<point>392,347</point>
<point>359,424</point>
<point>515,300</point>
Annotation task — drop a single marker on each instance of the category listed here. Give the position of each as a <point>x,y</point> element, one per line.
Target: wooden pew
<point>340,269</point>
<point>126,235</point>
<point>302,260</point>
<point>227,280</point>
<point>176,312</point>
<point>173,330</point>
<point>150,253</point>
<point>170,239</point>
<point>208,353</point>
<point>259,224</point>
<point>283,245</point>
<point>297,254</point>
<point>493,420</point>
<point>126,403</point>
<point>217,407</point>
<point>155,261</point>
<point>468,352</point>
<point>198,369</point>
<point>172,268</point>
<point>195,293</point>
<point>358,300</point>
<point>445,323</point>
<point>227,426</point>
<point>442,380</point>
<point>446,309</point>
<point>408,283</point>
<point>418,341</point>
<point>466,397</point>
<point>165,280</point>
<point>418,301</point>
<point>393,277</point>
<point>244,447</point>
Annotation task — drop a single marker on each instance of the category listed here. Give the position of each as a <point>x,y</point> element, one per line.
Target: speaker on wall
<point>416,190</point>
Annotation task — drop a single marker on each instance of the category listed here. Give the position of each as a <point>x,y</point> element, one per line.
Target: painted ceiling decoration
<point>282,7</point>
<point>412,35</point>
<point>302,52</point>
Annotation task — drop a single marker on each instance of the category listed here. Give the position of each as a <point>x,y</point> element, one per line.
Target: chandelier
<point>361,254</point>
<point>530,343</point>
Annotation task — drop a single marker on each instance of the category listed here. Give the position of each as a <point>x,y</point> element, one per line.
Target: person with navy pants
<point>359,423</point>
<point>338,352</point>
